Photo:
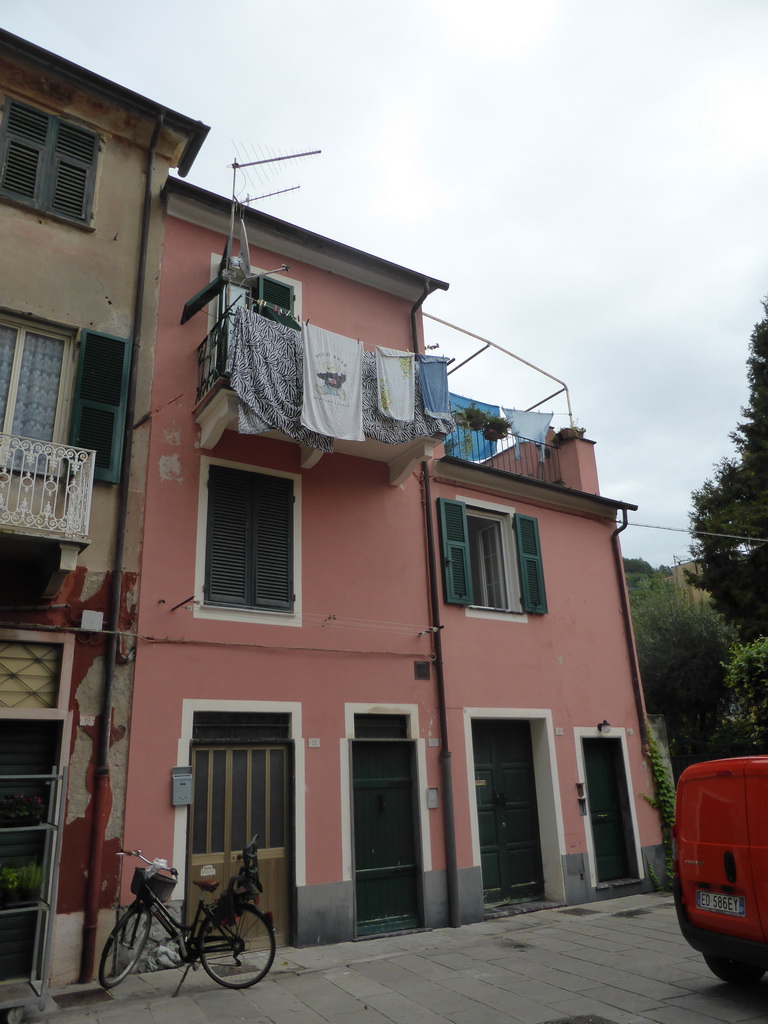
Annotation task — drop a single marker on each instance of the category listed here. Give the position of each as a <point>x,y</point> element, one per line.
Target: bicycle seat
<point>206,884</point>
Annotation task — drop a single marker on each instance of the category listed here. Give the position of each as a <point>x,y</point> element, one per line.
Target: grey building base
<point>326,913</point>
<point>579,890</point>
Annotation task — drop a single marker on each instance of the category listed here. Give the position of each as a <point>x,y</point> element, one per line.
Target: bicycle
<point>232,938</point>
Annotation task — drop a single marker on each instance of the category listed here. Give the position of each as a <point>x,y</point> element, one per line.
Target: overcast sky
<point>591,177</point>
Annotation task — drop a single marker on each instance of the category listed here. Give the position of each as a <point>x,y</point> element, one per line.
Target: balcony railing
<point>212,357</point>
<point>45,487</point>
<point>526,458</point>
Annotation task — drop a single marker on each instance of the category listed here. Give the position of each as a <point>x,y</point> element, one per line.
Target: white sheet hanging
<point>396,383</point>
<point>333,384</point>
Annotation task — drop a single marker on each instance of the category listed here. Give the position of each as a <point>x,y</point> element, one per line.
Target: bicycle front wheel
<point>239,954</point>
<point>125,945</point>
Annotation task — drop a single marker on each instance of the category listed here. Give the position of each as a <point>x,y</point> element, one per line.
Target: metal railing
<point>525,458</point>
<point>45,487</point>
<point>212,357</point>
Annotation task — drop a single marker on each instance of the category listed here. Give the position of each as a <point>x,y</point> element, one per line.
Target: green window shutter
<point>534,595</point>
<point>74,165</point>
<point>98,414</point>
<point>457,572</point>
<point>229,541</point>
<point>47,162</point>
<point>249,544</point>
<point>25,137</point>
<point>275,293</point>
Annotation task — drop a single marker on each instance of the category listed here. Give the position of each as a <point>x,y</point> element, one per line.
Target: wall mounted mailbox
<point>181,786</point>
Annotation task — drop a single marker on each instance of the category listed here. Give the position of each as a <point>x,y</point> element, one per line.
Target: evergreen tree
<point>682,643</point>
<point>735,502</point>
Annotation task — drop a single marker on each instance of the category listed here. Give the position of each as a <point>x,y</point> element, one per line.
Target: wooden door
<point>386,870</point>
<point>240,791</point>
<point>510,846</point>
<point>605,779</point>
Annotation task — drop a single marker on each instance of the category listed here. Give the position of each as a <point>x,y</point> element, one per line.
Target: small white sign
<point>86,720</point>
<point>313,742</point>
<point>207,870</point>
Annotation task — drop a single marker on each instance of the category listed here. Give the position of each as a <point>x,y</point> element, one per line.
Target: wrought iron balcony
<point>523,458</point>
<point>45,489</point>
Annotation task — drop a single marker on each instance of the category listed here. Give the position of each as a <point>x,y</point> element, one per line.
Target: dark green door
<point>386,890</point>
<point>605,780</point>
<point>510,848</point>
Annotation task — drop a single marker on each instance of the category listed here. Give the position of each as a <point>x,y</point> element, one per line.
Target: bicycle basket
<point>160,884</point>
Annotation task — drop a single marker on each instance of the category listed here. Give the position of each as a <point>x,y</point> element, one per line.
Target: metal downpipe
<point>449,821</point>
<point>634,668</point>
<point>101,795</point>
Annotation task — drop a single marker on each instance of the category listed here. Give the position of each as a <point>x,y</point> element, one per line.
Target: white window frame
<point>261,616</point>
<point>505,516</point>
<point>234,292</point>
<point>66,379</point>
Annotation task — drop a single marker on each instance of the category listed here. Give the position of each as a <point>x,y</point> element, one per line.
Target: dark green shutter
<point>275,293</point>
<point>98,415</point>
<point>249,549</point>
<point>24,143</point>
<point>47,162</point>
<point>274,541</point>
<point>534,595</point>
<point>74,164</point>
<point>229,542</point>
<point>457,573</point>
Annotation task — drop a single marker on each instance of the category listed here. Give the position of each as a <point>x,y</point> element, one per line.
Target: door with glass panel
<point>240,791</point>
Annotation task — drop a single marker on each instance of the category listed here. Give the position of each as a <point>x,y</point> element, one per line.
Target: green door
<point>510,847</point>
<point>386,875</point>
<point>605,780</point>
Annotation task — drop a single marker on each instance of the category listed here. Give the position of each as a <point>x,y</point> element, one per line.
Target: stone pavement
<point>622,961</point>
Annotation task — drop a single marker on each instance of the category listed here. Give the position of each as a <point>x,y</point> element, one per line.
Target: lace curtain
<point>38,359</point>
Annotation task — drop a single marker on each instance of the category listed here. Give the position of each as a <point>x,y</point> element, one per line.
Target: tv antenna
<point>236,166</point>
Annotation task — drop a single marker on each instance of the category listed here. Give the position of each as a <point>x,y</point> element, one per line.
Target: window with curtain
<point>31,369</point>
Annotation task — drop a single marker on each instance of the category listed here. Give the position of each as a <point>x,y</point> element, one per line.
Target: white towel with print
<point>396,383</point>
<point>333,384</point>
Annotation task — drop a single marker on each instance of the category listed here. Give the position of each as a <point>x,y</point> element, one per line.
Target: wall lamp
<point>604,726</point>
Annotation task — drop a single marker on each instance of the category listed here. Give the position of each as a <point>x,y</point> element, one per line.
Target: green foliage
<point>663,802</point>
<point>638,572</point>
<point>682,643</point>
<point>9,880</point>
<point>735,502</point>
<point>747,679</point>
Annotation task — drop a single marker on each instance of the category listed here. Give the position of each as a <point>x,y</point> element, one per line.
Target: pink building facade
<point>389,662</point>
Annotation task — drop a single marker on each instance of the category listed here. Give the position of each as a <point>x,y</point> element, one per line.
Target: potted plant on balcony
<point>30,881</point>
<point>496,428</point>
<point>9,885</point>
<point>471,418</point>
<point>565,433</point>
<point>17,810</point>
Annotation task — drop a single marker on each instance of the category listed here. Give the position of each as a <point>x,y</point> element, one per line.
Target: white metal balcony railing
<point>45,487</point>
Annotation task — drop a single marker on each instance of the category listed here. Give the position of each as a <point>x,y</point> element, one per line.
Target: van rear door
<point>713,849</point>
<point>756,778</point>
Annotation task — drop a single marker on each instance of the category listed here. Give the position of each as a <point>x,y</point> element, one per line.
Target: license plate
<point>720,903</point>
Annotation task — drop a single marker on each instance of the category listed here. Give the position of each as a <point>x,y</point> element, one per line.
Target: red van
<point>721,865</point>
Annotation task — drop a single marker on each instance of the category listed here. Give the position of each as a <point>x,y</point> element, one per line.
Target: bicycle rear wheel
<point>125,945</point>
<point>239,954</point>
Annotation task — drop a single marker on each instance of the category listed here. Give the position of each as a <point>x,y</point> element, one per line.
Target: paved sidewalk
<point>618,962</point>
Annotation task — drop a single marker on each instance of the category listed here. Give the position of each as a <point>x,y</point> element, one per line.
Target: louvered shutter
<point>48,162</point>
<point>74,163</point>
<point>26,137</point>
<point>534,596</point>
<point>229,543</point>
<point>275,293</point>
<point>249,549</point>
<point>98,414</point>
<point>274,541</point>
<point>457,573</point>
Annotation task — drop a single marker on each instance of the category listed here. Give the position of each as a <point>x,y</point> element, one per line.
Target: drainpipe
<point>449,822</point>
<point>101,779</point>
<point>637,686</point>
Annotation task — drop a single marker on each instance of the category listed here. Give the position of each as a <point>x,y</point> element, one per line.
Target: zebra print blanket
<point>265,369</point>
